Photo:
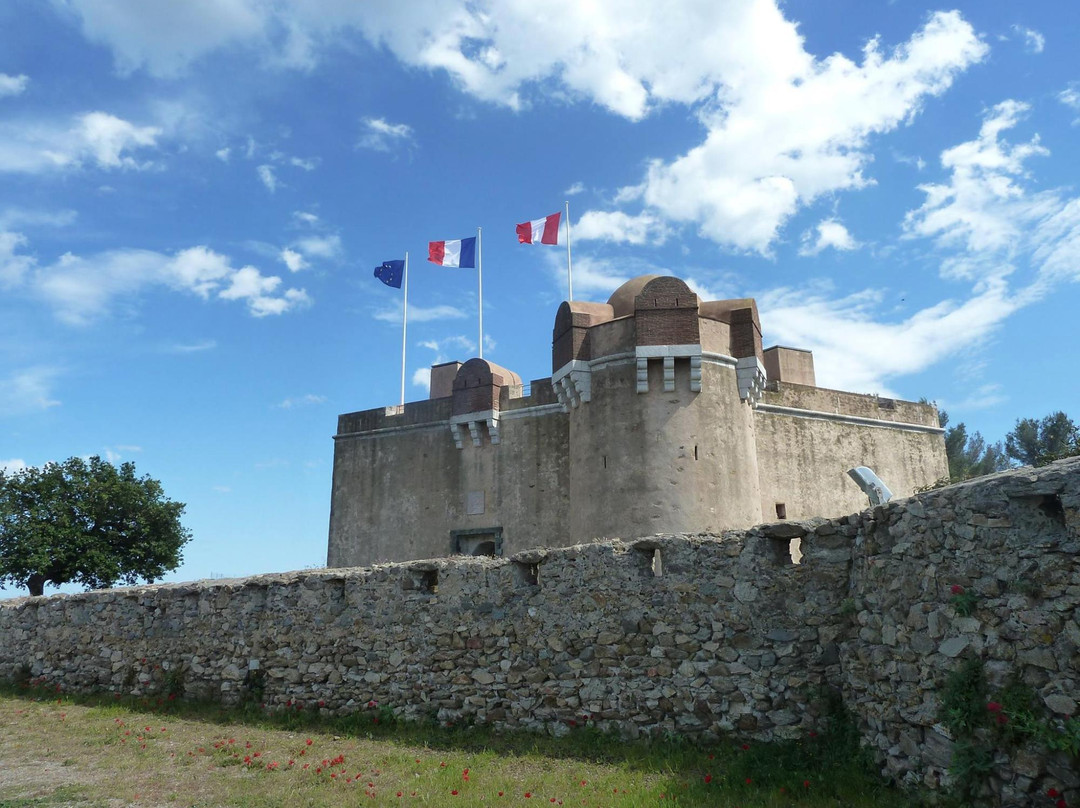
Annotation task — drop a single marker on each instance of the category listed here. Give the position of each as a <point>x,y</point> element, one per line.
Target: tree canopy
<point>1038,442</point>
<point>970,455</point>
<point>87,522</point>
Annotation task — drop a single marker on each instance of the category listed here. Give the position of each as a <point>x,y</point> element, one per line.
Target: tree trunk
<point>36,584</point>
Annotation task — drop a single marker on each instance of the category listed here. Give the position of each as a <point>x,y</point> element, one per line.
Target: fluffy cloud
<point>293,260</point>
<point>855,350</point>
<point>81,290</point>
<point>381,135</point>
<point>27,391</point>
<point>12,85</point>
<point>983,209</point>
<point>829,233</point>
<point>619,227</point>
<point>12,466</point>
<point>267,177</point>
<point>95,138</point>
<point>1034,42</point>
<point>1012,246</point>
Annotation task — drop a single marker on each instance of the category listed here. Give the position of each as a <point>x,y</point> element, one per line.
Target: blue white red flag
<point>540,231</point>
<point>390,273</point>
<point>460,253</point>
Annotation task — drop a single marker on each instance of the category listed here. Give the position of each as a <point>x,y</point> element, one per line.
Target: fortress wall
<point>674,462</point>
<point>398,494</point>
<point>1011,539</point>
<point>730,636</point>
<point>789,443</point>
<point>723,639</point>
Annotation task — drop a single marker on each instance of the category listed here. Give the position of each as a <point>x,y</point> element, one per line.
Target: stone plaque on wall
<point>474,503</point>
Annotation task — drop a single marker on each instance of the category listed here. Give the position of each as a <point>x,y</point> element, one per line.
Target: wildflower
<point>454,792</point>
<point>1053,792</point>
<point>806,784</point>
<point>500,793</point>
<point>749,781</point>
<point>322,703</point>
<point>372,704</point>
<point>1002,718</point>
<point>956,589</point>
<point>399,793</point>
<point>993,707</point>
<point>1060,803</point>
<point>528,794</point>
<point>308,742</point>
<point>745,746</point>
<point>708,778</point>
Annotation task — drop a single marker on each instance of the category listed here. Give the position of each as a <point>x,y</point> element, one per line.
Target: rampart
<point>692,634</point>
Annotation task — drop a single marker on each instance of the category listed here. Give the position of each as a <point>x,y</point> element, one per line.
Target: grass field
<point>57,750</point>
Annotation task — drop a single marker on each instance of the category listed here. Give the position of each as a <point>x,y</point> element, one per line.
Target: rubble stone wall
<point>692,634</point>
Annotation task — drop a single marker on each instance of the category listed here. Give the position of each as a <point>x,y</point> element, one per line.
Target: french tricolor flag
<point>460,253</point>
<point>540,231</point>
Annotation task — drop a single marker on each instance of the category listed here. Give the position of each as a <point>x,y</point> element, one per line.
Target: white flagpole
<point>480,281</point>
<point>569,274</point>
<point>404,327</point>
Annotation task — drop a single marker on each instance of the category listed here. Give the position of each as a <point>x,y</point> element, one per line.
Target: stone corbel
<point>474,422</point>
<point>573,384</point>
<point>750,374</point>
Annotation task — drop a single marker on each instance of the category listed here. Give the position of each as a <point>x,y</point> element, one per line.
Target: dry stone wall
<point>691,634</point>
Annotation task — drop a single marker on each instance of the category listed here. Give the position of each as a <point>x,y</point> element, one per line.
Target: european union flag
<point>390,273</point>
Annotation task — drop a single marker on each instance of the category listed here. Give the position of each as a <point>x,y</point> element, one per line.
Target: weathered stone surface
<point>726,639</point>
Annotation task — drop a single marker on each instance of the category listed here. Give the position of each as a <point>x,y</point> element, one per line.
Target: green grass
<point>91,750</point>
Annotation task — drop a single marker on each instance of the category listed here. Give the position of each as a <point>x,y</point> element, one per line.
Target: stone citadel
<point>663,414</point>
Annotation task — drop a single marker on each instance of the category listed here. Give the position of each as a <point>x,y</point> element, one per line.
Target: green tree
<point>970,455</point>
<point>88,522</point>
<point>1036,443</point>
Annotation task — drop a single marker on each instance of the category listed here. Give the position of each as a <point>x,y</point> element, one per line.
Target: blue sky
<point>193,197</point>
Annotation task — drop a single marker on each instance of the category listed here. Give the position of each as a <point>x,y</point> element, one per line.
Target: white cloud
<point>381,135</point>
<point>319,246</point>
<point>1012,245</point>
<point>444,346</point>
<point>266,175</point>
<point>191,347</point>
<point>114,454</point>
<point>306,218</point>
<point>294,260</point>
<point>1034,42</point>
<point>853,350</point>
<point>12,85</point>
<point>95,138</point>
<point>419,314</point>
<point>575,189</point>
<point>422,378</point>
<point>301,401</point>
<point>619,227</point>
<point>223,154</point>
<point>165,37</point>
<point>13,465</point>
<point>13,266</point>
<point>1070,97</point>
<point>27,391</point>
<point>829,233</point>
<point>81,290</point>
<point>308,164</point>
<point>983,208</point>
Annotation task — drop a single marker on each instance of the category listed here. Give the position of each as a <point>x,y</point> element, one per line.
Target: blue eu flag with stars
<point>390,273</point>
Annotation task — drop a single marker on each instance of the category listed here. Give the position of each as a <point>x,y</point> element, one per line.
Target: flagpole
<point>569,274</point>
<point>480,282</point>
<point>404,327</point>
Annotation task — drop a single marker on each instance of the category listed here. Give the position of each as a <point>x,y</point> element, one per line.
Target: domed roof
<point>622,299</point>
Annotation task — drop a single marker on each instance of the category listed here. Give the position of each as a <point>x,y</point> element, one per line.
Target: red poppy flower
<point>993,707</point>
<point>708,778</point>
<point>454,792</point>
<point>956,589</point>
<point>1053,793</point>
